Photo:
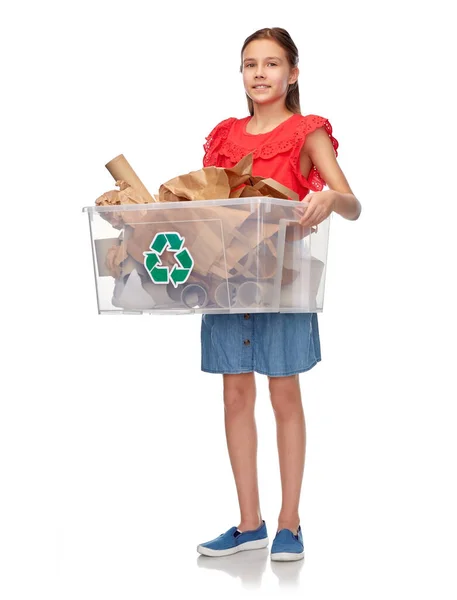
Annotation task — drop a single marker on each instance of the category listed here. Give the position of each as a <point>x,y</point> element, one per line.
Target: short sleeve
<point>214,142</point>
<point>306,126</point>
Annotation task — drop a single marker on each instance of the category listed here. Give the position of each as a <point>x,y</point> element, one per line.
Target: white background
<point>112,447</point>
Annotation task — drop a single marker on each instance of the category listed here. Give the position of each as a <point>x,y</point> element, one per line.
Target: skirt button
<point>247,316</point>
<point>247,342</point>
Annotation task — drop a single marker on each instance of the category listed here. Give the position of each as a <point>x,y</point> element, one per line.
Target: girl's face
<point>266,72</point>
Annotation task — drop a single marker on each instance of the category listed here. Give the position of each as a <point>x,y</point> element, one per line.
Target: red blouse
<point>276,154</point>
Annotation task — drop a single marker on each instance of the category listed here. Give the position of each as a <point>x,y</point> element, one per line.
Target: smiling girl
<point>299,152</point>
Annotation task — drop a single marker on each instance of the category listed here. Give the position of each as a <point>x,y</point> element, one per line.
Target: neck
<point>268,115</point>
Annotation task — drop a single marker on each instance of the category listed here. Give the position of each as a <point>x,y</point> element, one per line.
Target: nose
<point>259,72</point>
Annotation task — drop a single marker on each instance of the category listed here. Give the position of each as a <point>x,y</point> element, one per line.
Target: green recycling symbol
<point>179,273</point>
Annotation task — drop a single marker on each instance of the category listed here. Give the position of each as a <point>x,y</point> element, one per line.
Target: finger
<point>308,197</point>
<point>321,217</point>
<point>309,215</point>
<point>315,219</point>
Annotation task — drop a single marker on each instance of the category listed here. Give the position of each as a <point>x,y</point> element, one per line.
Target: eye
<point>248,64</point>
<point>274,64</point>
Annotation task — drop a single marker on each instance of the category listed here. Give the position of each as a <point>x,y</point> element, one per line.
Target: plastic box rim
<point>196,203</point>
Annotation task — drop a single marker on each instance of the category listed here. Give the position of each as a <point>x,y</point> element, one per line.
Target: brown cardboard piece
<point>102,246</point>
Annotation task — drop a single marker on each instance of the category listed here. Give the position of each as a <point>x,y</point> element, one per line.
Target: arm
<point>319,148</point>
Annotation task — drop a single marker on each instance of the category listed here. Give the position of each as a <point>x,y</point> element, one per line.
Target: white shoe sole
<point>255,545</point>
<point>287,556</point>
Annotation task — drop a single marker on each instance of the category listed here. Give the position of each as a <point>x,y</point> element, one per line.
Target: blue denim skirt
<point>274,344</point>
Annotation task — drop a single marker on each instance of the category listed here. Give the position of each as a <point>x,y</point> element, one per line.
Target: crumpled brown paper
<point>125,195</point>
<point>114,257</point>
<point>212,183</point>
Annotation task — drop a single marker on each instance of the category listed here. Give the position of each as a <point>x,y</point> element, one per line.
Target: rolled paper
<point>226,294</point>
<point>209,282</point>
<point>194,296</point>
<point>121,170</point>
<point>255,294</point>
<point>250,294</point>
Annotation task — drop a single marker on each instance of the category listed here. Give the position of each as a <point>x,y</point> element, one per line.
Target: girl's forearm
<point>347,205</point>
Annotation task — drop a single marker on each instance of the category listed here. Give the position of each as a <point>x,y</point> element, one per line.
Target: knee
<point>239,394</point>
<point>285,397</point>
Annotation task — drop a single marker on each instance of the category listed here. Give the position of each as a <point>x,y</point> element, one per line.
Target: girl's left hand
<point>321,204</point>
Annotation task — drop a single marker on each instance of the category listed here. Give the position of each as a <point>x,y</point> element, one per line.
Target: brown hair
<point>282,37</point>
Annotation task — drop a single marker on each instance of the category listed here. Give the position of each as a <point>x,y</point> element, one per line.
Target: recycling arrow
<point>173,242</point>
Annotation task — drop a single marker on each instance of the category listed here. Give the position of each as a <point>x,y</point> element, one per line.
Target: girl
<point>299,152</point>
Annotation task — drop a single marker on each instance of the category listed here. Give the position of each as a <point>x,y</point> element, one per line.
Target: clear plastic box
<point>240,255</point>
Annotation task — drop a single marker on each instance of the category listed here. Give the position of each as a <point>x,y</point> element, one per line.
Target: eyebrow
<point>267,58</point>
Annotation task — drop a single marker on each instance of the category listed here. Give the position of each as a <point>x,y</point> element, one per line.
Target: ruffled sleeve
<point>314,181</point>
<point>214,141</point>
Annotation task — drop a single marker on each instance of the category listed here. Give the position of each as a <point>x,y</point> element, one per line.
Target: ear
<point>294,73</point>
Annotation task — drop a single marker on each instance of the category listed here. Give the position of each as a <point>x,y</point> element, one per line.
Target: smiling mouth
<point>261,87</point>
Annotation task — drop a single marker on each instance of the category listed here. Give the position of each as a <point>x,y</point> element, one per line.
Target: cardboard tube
<point>208,282</point>
<point>249,294</point>
<point>120,169</point>
<point>255,294</point>
<point>226,294</point>
<point>194,295</point>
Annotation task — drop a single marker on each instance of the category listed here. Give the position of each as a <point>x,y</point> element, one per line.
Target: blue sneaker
<point>287,546</point>
<point>233,541</point>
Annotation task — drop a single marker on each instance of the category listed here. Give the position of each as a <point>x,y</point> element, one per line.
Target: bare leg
<point>291,438</point>
<point>241,433</point>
